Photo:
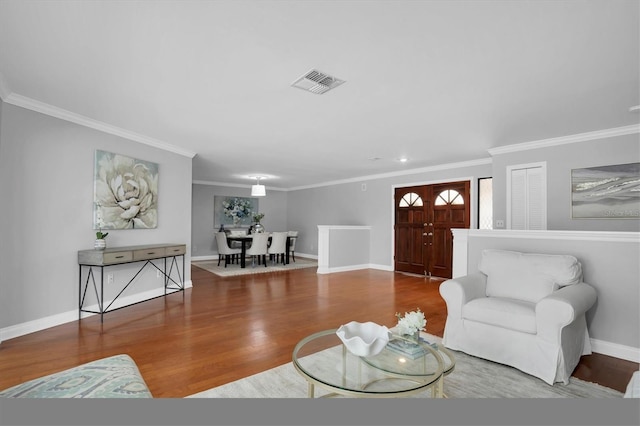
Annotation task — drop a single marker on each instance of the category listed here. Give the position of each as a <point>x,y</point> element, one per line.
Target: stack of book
<point>407,348</point>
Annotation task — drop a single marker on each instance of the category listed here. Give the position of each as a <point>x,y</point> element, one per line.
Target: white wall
<point>46,195</point>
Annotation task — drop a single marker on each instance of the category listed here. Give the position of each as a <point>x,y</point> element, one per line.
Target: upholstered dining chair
<point>225,250</point>
<point>259,247</point>
<point>292,244</point>
<point>278,246</point>
<point>236,233</point>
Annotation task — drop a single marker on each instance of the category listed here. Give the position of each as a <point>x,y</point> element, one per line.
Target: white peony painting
<point>125,192</point>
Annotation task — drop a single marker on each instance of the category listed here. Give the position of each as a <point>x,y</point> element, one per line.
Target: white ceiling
<point>435,81</point>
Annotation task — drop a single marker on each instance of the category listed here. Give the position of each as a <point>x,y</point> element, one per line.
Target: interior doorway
<point>424,216</point>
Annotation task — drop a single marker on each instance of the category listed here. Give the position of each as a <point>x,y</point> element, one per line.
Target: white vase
<point>100,244</point>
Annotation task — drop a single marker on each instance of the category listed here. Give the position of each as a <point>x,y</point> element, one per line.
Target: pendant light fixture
<point>258,190</point>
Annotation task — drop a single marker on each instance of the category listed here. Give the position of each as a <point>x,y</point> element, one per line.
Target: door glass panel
<point>449,196</point>
<point>485,203</point>
<point>411,199</point>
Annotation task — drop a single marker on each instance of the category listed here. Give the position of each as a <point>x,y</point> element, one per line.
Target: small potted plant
<point>411,324</point>
<point>100,243</point>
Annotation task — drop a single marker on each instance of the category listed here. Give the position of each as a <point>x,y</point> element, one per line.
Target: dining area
<point>238,245</point>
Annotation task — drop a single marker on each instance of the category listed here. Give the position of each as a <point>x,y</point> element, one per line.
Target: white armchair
<point>521,309</point>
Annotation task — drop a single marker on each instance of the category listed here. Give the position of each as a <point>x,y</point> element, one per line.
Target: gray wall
<point>560,160</point>
<point>273,205</point>
<point>46,193</point>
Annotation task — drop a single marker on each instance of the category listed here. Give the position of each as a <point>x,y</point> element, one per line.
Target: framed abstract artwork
<point>125,192</point>
<point>235,211</point>
<point>606,192</point>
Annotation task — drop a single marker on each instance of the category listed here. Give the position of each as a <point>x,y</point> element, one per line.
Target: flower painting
<point>236,211</point>
<point>125,192</point>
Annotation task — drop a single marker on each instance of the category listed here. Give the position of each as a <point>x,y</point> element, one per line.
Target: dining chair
<point>258,248</point>
<point>292,244</point>
<point>278,246</point>
<point>237,233</point>
<point>225,250</point>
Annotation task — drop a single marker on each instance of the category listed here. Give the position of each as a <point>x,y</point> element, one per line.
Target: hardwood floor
<point>228,328</point>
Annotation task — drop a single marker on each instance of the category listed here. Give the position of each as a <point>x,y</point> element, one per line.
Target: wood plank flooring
<point>224,329</point>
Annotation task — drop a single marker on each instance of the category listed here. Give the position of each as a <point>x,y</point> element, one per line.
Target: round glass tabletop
<point>401,368</point>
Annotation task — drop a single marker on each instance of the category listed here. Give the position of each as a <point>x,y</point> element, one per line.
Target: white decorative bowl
<point>363,338</point>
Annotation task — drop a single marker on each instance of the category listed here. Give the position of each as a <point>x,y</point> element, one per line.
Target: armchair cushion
<point>506,313</point>
<point>527,276</point>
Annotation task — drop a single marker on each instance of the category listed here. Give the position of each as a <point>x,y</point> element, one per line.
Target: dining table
<point>245,239</point>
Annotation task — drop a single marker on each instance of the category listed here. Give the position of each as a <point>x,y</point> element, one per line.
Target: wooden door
<point>450,209</point>
<point>424,216</point>
<point>411,214</point>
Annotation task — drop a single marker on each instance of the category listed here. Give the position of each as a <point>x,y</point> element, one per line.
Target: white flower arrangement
<point>237,209</point>
<point>411,323</point>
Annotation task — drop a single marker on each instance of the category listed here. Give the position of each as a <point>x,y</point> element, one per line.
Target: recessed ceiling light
<point>403,159</point>
<point>634,108</point>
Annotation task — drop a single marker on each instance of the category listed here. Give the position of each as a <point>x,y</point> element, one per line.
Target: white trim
<point>615,350</point>
<point>28,327</point>
<point>561,140</point>
<point>328,270</point>
<point>459,267</point>
<point>611,236</point>
<point>233,185</point>
<point>53,111</point>
<point>509,170</point>
<point>4,88</point>
<point>440,167</point>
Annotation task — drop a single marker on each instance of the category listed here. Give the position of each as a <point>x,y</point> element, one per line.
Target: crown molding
<point>53,111</point>
<point>448,166</point>
<point>232,185</point>
<point>561,140</point>
<point>4,88</point>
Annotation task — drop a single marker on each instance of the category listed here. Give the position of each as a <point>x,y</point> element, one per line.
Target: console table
<point>90,260</point>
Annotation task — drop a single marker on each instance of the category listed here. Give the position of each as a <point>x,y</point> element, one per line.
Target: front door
<point>410,220</point>
<point>424,216</point>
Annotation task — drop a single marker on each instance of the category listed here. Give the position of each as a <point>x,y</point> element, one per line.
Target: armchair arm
<point>563,306</point>
<point>459,291</point>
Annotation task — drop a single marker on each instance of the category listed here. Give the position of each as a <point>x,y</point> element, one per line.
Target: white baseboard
<point>69,316</point>
<point>329,270</point>
<point>388,268</point>
<point>615,350</point>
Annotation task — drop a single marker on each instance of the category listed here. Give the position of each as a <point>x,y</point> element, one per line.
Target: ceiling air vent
<point>317,82</point>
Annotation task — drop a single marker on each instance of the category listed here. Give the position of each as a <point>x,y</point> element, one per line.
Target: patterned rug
<point>472,378</point>
<point>234,269</point>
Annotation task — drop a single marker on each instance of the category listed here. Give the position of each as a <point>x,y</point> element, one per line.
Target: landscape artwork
<point>125,192</point>
<point>606,192</point>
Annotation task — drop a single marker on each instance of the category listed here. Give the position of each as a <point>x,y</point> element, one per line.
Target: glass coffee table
<point>324,361</point>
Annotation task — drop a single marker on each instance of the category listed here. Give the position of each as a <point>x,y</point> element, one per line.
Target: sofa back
<point>527,276</point>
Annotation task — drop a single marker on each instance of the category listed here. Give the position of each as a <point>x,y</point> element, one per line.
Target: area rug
<point>234,269</point>
<point>472,378</point>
